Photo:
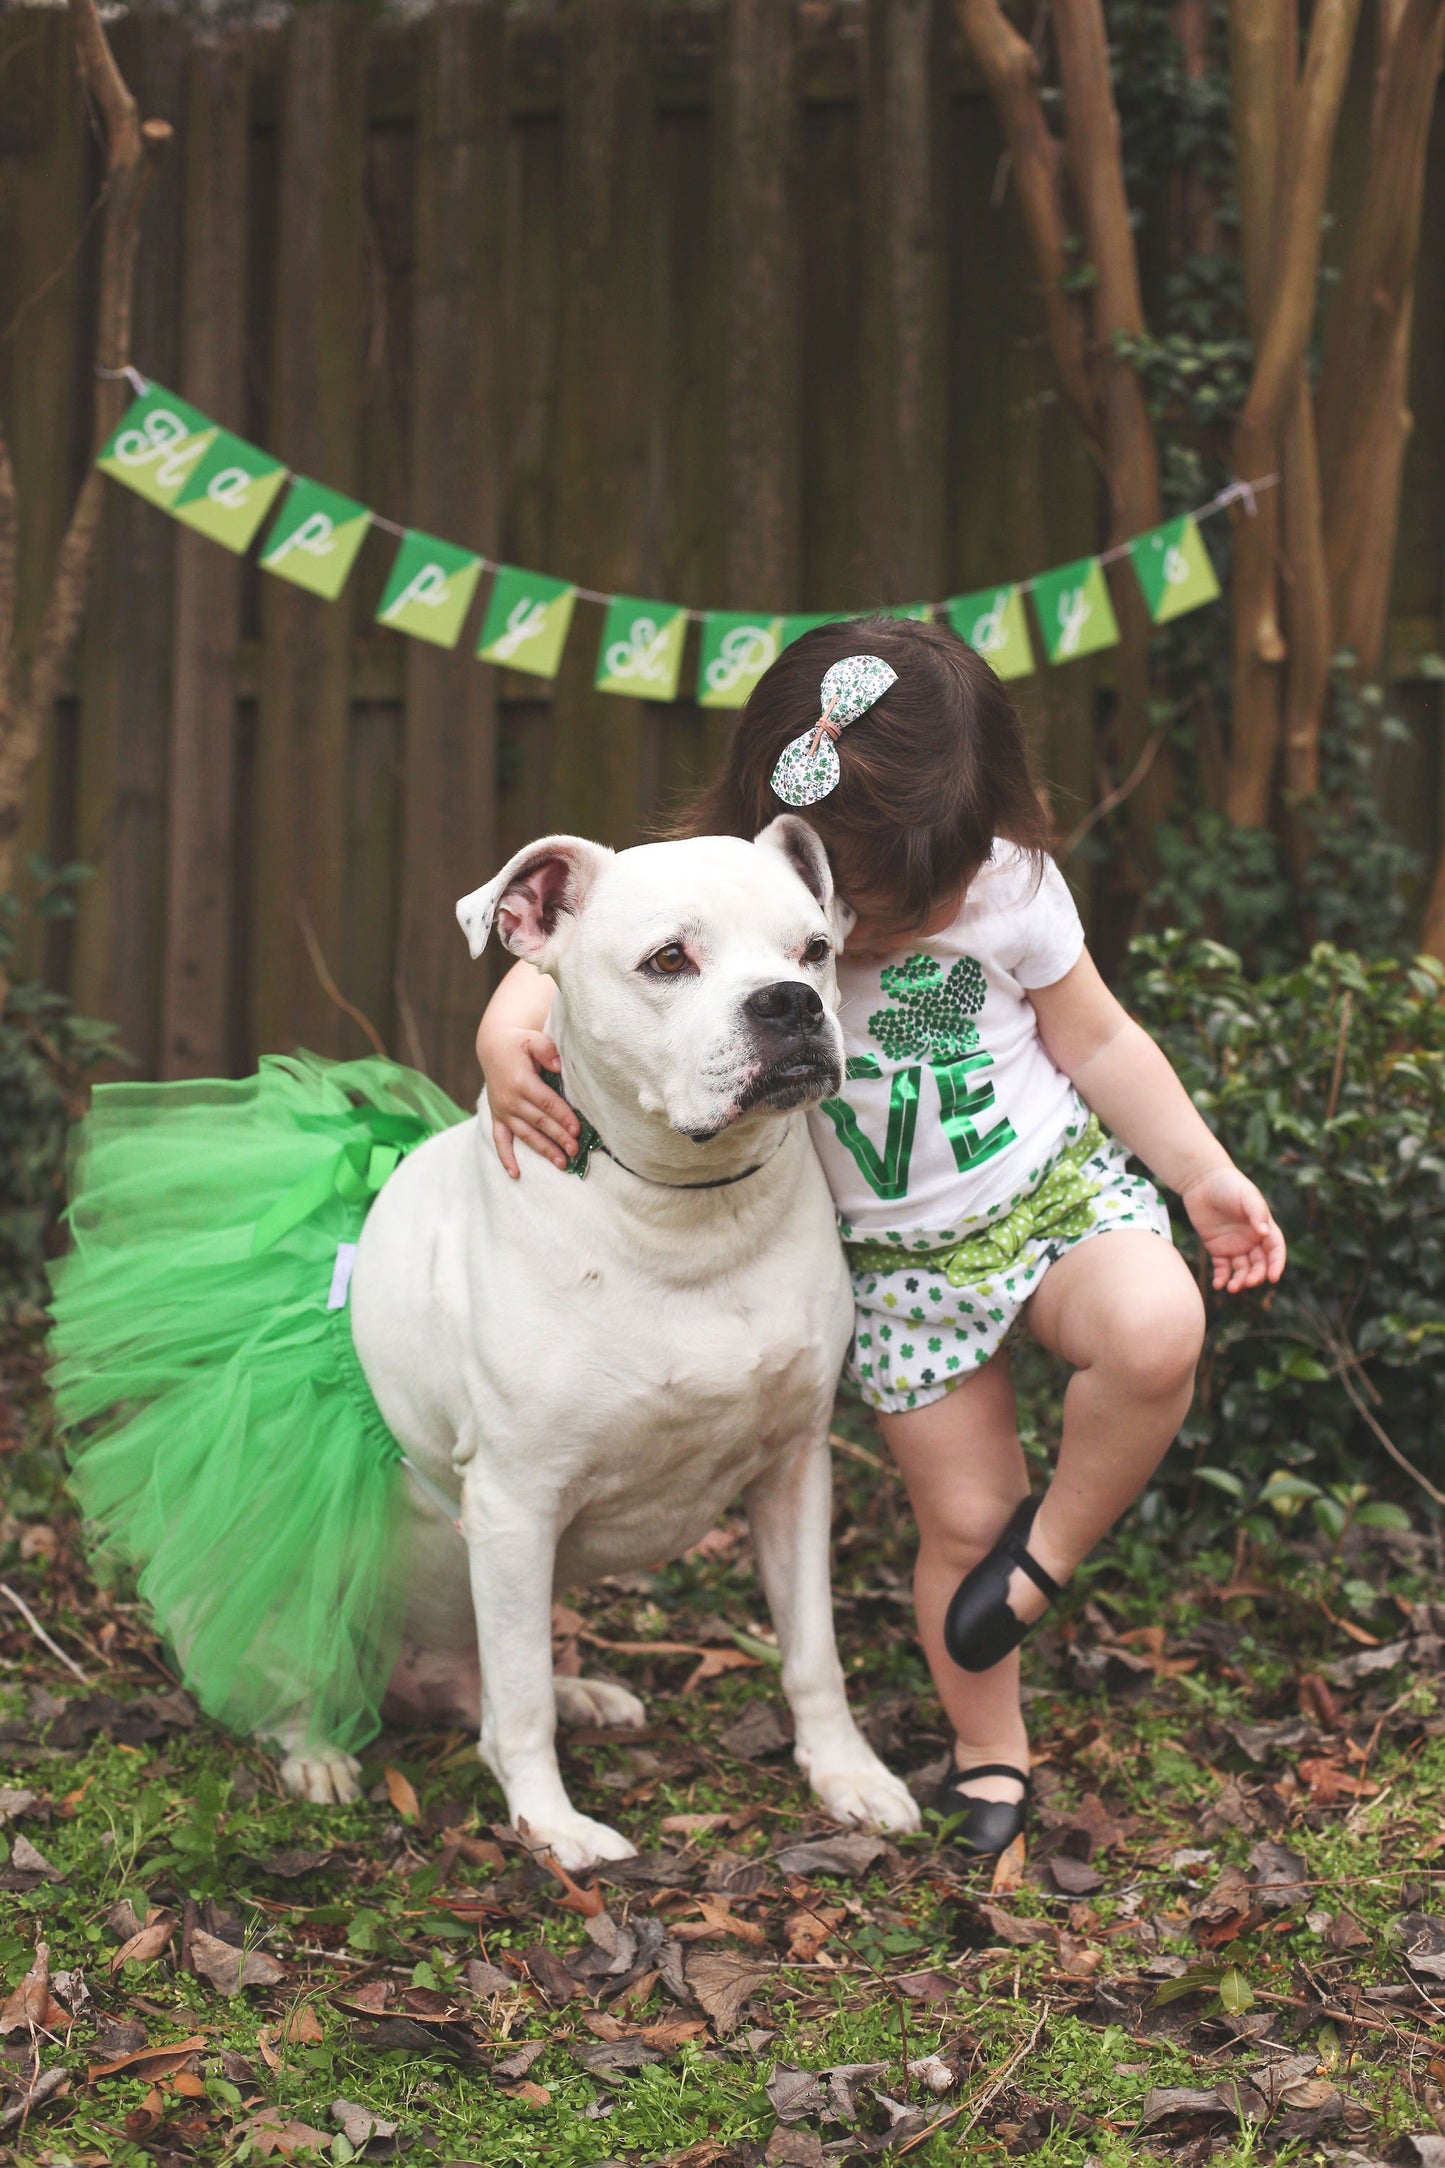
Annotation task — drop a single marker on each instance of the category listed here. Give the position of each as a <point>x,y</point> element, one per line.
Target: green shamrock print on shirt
<point>932,1015</point>
<point>929,1021</point>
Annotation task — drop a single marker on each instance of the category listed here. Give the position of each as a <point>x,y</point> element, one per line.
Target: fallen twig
<point>990,2092</point>
<point>40,1634</point>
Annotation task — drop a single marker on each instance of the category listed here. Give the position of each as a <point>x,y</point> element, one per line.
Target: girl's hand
<point>1237,1228</point>
<point>520,1104</point>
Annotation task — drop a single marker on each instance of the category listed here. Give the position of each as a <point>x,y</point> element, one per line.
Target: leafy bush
<point>1327,1084</point>
<point>46,1054</point>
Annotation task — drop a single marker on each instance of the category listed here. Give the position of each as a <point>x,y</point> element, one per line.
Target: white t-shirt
<point>952,1109</point>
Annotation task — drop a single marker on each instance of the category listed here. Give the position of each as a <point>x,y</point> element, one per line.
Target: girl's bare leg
<point>1124,1311</point>
<point>964,1468</point>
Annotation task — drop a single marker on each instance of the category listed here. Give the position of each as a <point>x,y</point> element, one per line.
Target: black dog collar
<point>589,1141</point>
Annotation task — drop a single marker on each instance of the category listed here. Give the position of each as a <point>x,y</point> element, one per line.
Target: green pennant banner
<point>641,650</point>
<point>993,623</point>
<point>920,610</point>
<point>736,650</point>
<point>231,491</point>
<point>526,621</point>
<point>315,539</point>
<point>1076,615</point>
<point>430,589</point>
<point>1174,569</point>
<point>157,445</point>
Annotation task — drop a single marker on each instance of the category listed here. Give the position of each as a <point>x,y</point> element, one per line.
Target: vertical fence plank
<point>42,183</point>
<point>314,424</point>
<point>449,834</point>
<point>196,989</point>
<point>602,745</point>
<point>126,667</point>
<point>532,313</point>
<point>755,219</point>
<point>831,420</point>
<point>901,336</point>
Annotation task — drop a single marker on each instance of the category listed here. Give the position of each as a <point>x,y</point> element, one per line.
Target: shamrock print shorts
<point>926,1319</point>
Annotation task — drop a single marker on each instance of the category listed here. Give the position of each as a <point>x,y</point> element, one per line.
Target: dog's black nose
<point>787,1006</point>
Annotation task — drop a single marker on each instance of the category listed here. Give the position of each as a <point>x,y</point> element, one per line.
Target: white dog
<point>591,1369</point>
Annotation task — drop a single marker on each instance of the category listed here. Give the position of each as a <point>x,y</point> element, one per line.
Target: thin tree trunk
<point>1011,71</point>
<point>1364,415</point>
<point>27,695</point>
<point>1281,278</point>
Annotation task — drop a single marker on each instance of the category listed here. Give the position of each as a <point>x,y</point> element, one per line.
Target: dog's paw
<point>573,1840</point>
<point>597,1701</point>
<point>324,1775</point>
<point>869,1795</point>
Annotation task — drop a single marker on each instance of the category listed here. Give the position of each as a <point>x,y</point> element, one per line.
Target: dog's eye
<point>670,960</point>
<point>819,949</point>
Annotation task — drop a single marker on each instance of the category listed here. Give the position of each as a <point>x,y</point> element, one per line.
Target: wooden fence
<point>724,305</point>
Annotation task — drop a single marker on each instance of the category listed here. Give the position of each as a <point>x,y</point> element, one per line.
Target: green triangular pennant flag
<point>231,491</point>
<point>736,650</point>
<point>1076,616</point>
<point>922,610</point>
<point>526,621</point>
<point>157,445</point>
<point>430,588</point>
<point>1173,569</point>
<point>641,650</point>
<point>992,622</point>
<point>316,537</point>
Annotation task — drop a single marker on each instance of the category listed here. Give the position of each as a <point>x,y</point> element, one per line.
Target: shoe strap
<point>958,1776</point>
<point>1024,1559</point>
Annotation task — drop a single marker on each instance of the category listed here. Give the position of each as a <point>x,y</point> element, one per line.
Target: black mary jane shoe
<point>981,1827</point>
<point>981,1629</point>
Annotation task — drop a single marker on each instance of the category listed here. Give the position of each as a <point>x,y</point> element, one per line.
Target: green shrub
<point>47,1053</point>
<point>1327,1085</point>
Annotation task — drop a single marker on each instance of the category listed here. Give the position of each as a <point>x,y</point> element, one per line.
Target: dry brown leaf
<point>187,2084</point>
<point>147,1943</point>
<point>28,2005</point>
<point>270,2131</point>
<point>806,1930</point>
<point>673,2032</point>
<point>302,2028</point>
<point>722,1983</point>
<point>369,1999</point>
<point>1008,1870</point>
<point>716,1917</point>
<point>159,2062</point>
<point>589,1902</point>
<point>715,1663</point>
<point>537,2096</point>
<point>403,1797</point>
<point>229,1969</point>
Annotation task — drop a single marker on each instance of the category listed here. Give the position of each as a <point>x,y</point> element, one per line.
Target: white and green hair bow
<point>808,767</point>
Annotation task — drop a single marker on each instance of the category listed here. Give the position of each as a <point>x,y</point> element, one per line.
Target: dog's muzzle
<point>799,1058</point>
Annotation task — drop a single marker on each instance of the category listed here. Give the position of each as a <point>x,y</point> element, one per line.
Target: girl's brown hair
<point>930,774</point>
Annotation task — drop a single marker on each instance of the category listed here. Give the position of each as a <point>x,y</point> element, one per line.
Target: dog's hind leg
<point>597,1701</point>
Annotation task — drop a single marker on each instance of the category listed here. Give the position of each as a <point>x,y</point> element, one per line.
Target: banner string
<point>1234,491</point>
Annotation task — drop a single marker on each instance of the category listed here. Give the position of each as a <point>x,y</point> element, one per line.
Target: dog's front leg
<point>790,1511</point>
<point>512,1548</point>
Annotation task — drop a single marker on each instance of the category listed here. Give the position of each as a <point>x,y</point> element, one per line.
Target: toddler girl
<point>994,1092</point>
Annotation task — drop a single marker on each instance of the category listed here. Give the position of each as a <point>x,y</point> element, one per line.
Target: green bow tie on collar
<point>588,1139</point>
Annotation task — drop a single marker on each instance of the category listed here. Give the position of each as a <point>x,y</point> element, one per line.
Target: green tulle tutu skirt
<point>223,1440</point>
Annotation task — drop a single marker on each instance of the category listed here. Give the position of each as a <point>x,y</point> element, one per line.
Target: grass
<point>1172,1704</point>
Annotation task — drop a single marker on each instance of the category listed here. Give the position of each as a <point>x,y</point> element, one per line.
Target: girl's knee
<point>1157,1348</point>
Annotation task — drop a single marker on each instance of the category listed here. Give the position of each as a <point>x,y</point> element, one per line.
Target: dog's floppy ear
<point>536,899</point>
<point>803,849</point>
